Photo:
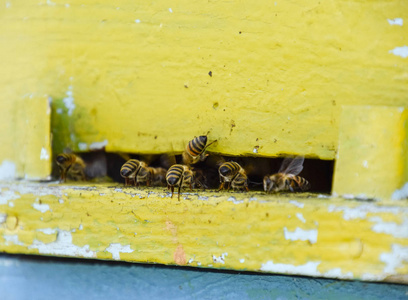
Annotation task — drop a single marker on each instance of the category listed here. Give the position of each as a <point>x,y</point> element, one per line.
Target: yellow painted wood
<point>289,234</point>
<point>25,138</point>
<point>372,155</point>
<point>134,75</point>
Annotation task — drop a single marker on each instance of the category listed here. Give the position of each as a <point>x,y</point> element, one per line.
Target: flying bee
<point>150,175</point>
<point>181,176</point>
<point>129,171</point>
<point>286,179</point>
<point>71,165</point>
<point>233,173</point>
<point>195,150</point>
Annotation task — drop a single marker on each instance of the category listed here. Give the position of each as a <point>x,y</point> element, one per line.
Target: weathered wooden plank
<point>286,234</point>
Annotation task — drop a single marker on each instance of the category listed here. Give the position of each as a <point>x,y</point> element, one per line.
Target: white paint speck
<point>63,246</point>
<point>301,235</point>
<point>297,204</point>
<point>242,260</point>
<point>190,260</point>
<point>8,4</point>
<point>396,21</point>
<point>44,154</point>
<point>401,193</point>
<point>220,259</point>
<point>41,207</point>
<point>67,5</point>
<point>50,3</point>
<point>300,217</point>
<point>3,218</point>
<point>98,145</point>
<point>116,249</point>
<point>394,259</point>
<point>80,227</point>
<point>47,230</point>
<point>69,100</point>
<point>337,273</point>
<point>83,146</point>
<point>365,164</point>
<point>137,21</point>
<point>61,200</point>
<point>309,268</point>
<point>59,111</point>
<point>11,204</point>
<point>234,200</point>
<point>255,150</point>
<point>400,51</point>
<point>7,170</point>
<point>170,10</point>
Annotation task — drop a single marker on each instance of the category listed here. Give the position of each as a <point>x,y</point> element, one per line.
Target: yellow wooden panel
<point>288,234</point>
<point>372,156</point>
<point>134,75</point>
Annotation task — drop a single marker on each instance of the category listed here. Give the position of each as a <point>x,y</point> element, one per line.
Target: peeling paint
<point>401,193</point>
<point>7,170</point>
<point>400,51</point>
<point>3,218</point>
<point>395,258</point>
<point>234,200</point>
<point>309,268</point>
<point>63,246</point>
<point>69,101</point>
<point>360,212</point>
<point>83,146</point>
<point>220,259</point>
<point>300,217</point>
<point>301,235</point>
<point>396,21</point>
<point>7,195</point>
<point>12,239</point>
<point>116,249</point>
<point>41,207</point>
<point>337,273</point>
<point>242,260</point>
<point>47,230</point>
<point>98,145</point>
<point>394,229</point>
<point>44,154</point>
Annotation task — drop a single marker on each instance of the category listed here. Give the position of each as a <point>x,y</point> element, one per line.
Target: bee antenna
<point>254,182</point>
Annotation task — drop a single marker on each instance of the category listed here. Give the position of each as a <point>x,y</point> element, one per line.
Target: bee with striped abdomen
<point>195,150</point>
<point>71,165</point>
<point>234,174</point>
<point>151,176</point>
<point>286,179</point>
<point>181,176</point>
<point>129,171</point>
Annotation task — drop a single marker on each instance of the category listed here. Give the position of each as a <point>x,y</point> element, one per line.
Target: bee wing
<point>292,165</point>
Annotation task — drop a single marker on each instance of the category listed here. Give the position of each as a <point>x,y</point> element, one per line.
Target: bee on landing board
<point>234,174</point>
<point>181,176</point>
<point>286,179</point>
<point>195,150</point>
<point>71,165</point>
<point>151,176</point>
<point>129,171</point>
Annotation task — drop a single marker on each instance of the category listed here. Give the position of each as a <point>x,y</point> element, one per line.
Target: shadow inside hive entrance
<point>105,166</point>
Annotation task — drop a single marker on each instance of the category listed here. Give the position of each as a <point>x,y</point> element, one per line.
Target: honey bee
<point>181,176</point>
<point>129,171</point>
<point>286,179</point>
<point>71,165</point>
<point>233,173</point>
<point>195,150</point>
<point>150,176</point>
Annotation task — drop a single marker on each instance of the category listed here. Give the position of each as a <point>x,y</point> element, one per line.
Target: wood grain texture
<point>286,234</point>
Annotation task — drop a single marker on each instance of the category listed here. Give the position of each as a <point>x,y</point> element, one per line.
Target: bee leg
<point>179,190</point>
<point>229,186</point>
<point>221,186</point>
<point>172,190</point>
<point>247,189</point>
<point>126,181</point>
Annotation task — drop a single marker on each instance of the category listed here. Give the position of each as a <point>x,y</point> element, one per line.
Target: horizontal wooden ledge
<point>303,234</point>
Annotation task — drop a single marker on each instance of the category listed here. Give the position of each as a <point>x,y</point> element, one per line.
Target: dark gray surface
<point>31,277</point>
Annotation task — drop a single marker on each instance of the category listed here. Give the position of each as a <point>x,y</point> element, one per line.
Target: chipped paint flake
<point>7,195</point>
<point>98,145</point>
<point>309,268</point>
<point>337,273</point>
<point>7,170</point>
<point>3,218</point>
<point>63,246</point>
<point>12,239</point>
<point>234,200</point>
<point>401,193</point>
<point>47,230</point>
<point>116,249</point>
<point>400,51</point>
<point>220,259</point>
<point>83,146</point>
<point>391,228</point>
<point>396,21</point>
<point>301,235</point>
<point>242,260</point>
<point>300,217</point>
<point>297,204</point>
<point>69,101</point>
<point>41,207</point>
<point>395,258</point>
<point>44,154</point>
